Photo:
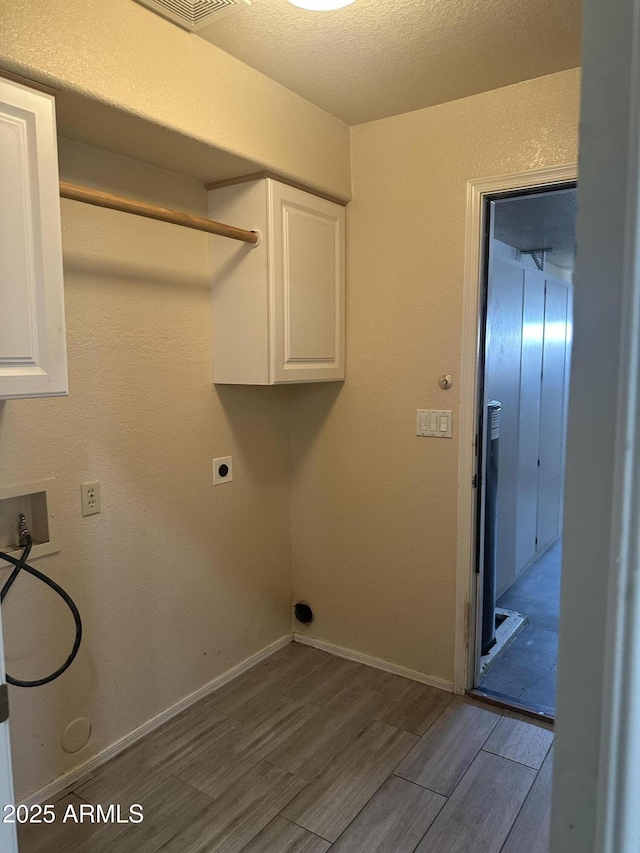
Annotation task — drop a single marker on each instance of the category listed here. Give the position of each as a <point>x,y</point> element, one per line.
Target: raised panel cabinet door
<point>32,330</point>
<point>308,286</point>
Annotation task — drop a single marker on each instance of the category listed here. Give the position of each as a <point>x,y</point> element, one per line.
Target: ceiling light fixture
<point>321,5</point>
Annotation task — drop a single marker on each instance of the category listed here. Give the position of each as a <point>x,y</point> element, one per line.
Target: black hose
<point>20,564</point>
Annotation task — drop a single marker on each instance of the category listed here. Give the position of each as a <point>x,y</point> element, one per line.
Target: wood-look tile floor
<point>308,753</point>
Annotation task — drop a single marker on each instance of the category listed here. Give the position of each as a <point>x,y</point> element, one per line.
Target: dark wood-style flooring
<point>307,753</point>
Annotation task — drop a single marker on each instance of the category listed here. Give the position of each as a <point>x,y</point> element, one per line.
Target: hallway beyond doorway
<point>526,670</point>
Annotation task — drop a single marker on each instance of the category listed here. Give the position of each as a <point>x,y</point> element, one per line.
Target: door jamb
<point>466,604</point>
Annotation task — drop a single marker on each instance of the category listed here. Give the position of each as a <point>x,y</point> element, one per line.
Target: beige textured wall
<point>176,580</point>
<point>374,531</point>
<point>122,54</point>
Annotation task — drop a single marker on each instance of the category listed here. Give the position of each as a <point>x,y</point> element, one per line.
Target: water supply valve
<point>24,534</point>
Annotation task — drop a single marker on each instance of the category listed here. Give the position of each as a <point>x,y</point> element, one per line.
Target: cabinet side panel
<point>32,328</point>
<point>239,289</point>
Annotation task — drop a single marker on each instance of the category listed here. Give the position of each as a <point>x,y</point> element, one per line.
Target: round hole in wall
<point>223,470</point>
<point>303,612</point>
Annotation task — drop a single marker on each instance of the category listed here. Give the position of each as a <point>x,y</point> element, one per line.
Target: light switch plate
<point>435,423</point>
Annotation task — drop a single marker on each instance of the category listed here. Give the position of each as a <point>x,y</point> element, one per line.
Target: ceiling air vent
<point>193,15</point>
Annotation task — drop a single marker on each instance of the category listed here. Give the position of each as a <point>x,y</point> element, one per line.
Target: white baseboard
<point>377,663</point>
<point>49,792</point>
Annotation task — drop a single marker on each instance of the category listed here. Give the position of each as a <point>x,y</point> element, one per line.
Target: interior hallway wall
<point>374,506</point>
<point>177,581</point>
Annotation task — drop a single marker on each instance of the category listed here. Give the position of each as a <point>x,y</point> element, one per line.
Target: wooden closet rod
<point>127,205</point>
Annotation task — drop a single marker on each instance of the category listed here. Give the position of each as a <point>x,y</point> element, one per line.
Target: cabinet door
<point>32,333</point>
<point>308,286</point>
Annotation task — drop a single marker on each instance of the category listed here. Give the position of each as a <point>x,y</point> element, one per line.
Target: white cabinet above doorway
<point>278,307</point>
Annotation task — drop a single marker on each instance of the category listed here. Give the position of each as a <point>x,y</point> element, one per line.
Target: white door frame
<point>596,783</point>
<point>466,591</point>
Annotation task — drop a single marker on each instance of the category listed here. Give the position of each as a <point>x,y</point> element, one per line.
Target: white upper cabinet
<point>278,307</point>
<point>32,333</point>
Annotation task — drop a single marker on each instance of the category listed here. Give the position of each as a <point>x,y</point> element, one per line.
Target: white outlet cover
<point>90,498</point>
<point>219,476</point>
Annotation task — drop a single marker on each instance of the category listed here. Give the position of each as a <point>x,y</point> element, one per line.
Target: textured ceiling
<point>538,222</point>
<point>378,58</point>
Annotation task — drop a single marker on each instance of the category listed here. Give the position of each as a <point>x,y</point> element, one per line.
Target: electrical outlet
<point>222,470</point>
<point>90,494</point>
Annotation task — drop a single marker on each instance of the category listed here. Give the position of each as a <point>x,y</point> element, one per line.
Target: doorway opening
<point>525,338</point>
